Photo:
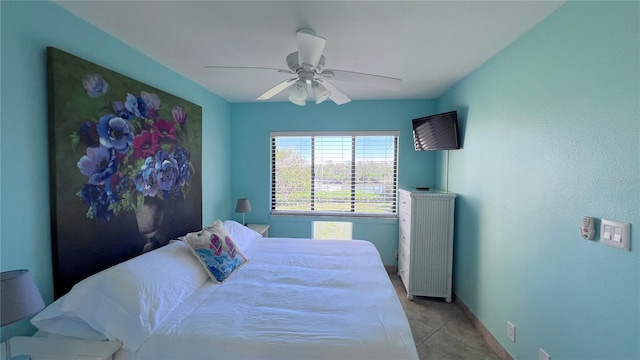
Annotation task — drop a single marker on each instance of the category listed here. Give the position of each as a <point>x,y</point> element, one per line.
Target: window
<point>349,174</point>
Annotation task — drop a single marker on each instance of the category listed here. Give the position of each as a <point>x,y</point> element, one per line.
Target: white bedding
<point>294,299</point>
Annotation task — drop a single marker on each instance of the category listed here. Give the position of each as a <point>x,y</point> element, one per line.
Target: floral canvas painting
<point>125,167</point>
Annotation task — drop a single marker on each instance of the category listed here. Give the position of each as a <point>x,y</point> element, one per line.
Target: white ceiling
<point>430,45</point>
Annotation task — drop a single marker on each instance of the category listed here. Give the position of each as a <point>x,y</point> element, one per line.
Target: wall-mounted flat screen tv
<point>436,132</point>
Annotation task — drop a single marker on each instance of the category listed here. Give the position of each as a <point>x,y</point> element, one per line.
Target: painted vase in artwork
<point>150,217</point>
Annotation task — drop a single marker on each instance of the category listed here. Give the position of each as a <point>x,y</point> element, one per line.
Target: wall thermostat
<point>587,228</point>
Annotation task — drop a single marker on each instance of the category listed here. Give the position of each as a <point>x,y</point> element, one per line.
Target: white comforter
<point>294,299</point>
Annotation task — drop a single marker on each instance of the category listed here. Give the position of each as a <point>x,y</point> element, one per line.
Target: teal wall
<point>552,133</point>
<point>250,152</point>
<point>27,29</point>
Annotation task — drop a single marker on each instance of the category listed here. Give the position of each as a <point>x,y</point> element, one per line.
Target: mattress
<point>294,299</point>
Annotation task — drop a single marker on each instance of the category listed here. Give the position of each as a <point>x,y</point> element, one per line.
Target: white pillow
<point>128,301</point>
<point>241,234</point>
<point>54,321</point>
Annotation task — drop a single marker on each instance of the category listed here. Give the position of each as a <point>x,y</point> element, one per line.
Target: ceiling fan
<point>307,64</point>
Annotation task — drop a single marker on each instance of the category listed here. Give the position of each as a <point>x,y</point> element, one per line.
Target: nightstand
<point>262,229</point>
<point>51,348</point>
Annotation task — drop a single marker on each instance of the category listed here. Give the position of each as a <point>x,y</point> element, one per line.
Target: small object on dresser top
<point>422,188</point>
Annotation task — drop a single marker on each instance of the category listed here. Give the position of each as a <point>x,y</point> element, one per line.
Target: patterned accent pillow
<point>216,251</point>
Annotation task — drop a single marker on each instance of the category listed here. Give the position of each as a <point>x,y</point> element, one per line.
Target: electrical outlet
<point>543,355</point>
<point>511,331</point>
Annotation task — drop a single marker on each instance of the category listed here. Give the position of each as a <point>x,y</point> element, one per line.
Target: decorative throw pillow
<point>216,251</point>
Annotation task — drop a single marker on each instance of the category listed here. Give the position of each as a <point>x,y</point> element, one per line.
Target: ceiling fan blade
<point>378,81</point>
<point>336,96</point>
<point>310,48</point>
<point>276,89</point>
<point>247,68</point>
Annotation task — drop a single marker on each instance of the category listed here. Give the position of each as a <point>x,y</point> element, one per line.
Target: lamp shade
<point>20,296</point>
<point>243,206</point>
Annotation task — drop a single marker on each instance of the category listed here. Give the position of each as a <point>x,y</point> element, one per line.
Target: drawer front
<point>405,202</point>
<point>404,237</point>
<point>404,255</point>
<point>404,221</point>
<point>403,259</point>
<point>404,275</point>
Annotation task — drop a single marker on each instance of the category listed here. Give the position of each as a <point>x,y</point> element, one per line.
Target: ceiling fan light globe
<point>321,93</point>
<point>298,90</point>
<point>298,101</point>
<point>323,98</point>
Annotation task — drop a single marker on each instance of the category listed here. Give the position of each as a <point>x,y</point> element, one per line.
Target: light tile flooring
<point>441,331</point>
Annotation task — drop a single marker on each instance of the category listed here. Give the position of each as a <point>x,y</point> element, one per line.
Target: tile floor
<point>441,331</point>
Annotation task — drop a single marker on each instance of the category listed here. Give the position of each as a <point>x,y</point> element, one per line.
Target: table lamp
<point>243,206</point>
<point>20,300</point>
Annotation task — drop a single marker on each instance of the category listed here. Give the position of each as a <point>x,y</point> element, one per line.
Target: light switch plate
<point>616,233</point>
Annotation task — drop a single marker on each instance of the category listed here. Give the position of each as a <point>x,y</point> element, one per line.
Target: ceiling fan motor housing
<point>294,66</point>
<point>292,62</point>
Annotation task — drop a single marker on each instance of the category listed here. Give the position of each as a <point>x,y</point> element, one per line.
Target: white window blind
<point>352,174</point>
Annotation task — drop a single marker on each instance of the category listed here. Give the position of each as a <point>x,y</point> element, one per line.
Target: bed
<point>291,299</point>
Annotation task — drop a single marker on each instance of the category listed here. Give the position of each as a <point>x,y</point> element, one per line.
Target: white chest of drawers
<point>425,243</point>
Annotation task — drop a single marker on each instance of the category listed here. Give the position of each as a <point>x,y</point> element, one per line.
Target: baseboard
<point>502,353</point>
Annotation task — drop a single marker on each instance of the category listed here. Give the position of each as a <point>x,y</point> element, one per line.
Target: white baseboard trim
<point>502,353</point>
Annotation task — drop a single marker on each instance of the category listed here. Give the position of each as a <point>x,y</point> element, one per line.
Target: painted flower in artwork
<point>95,85</point>
<point>133,151</point>
<point>115,133</point>
<point>179,115</point>
<point>166,170</point>
<point>99,164</point>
